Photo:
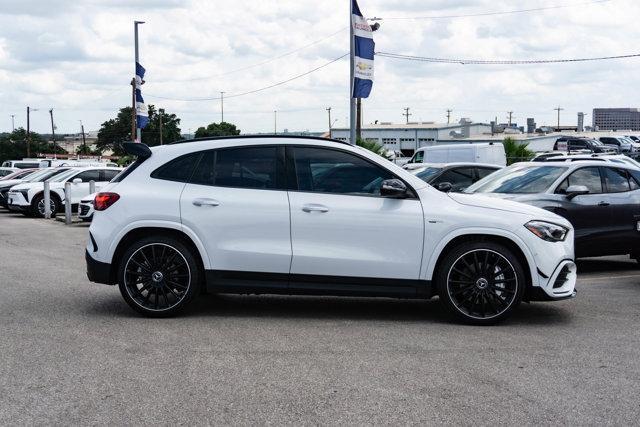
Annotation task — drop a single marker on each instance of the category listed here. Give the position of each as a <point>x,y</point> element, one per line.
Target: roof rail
<point>215,138</point>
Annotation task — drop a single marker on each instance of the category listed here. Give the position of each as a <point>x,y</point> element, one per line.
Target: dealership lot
<point>73,352</point>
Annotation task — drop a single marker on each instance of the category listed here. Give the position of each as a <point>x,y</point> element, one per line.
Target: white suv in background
<point>28,198</point>
<point>314,216</point>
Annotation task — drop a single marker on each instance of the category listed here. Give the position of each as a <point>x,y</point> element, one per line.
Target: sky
<point>77,57</point>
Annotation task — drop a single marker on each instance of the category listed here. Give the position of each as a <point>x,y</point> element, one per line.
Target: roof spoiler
<point>137,149</point>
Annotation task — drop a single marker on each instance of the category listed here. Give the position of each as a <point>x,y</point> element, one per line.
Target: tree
<point>115,131</point>
<point>13,146</point>
<point>87,151</point>
<point>372,146</point>
<point>516,151</point>
<point>217,129</point>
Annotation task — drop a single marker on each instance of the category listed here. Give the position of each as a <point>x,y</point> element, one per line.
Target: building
<point>409,137</point>
<point>616,119</point>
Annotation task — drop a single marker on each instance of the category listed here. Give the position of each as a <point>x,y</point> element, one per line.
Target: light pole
<point>275,122</point>
<point>84,141</point>
<point>53,133</point>
<point>13,123</point>
<point>222,106</point>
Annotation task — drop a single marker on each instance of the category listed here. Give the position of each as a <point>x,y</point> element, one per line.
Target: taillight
<point>104,200</point>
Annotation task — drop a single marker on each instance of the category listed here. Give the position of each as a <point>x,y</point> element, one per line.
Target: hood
<point>500,202</point>
<point>9,183</point>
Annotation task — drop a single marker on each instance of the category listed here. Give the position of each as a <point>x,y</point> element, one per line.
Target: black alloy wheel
<point>38,206</point>
<point>158,276</point>
<point>481,284</point>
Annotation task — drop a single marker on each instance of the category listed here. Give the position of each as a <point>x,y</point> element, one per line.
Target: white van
<point>22,164</point>
<point>488,153</point>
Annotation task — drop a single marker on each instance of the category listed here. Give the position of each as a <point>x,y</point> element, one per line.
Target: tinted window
<point>417,158</point>
<point>427,173</point>
<point>108,175</point>
<point>5,172</point>
<point>331,171</point>
<point>459,178</point>
<point>250,167</point>
<point>484,172</point>
<point>616,180</point>
<point>577,143</point>
<point>610,141</point>
<point>519,180</point>
<point>90,175</point>
<point>589,177</point>
<point>179,169</point>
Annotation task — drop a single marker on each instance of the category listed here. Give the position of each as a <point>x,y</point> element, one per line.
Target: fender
<point>430,264</point>
<point>161,224</point>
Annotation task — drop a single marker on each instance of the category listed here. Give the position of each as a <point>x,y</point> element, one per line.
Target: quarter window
<point>459,178</point>
<point>332,171</point>
<point>90,175</point>
<point>108,175</point>
<point>179,169</point>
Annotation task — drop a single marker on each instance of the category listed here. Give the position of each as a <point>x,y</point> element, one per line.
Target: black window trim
<point>292,181</point>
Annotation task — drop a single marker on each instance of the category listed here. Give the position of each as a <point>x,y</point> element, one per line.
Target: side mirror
<point>445,187</point>
<point>576,190</point>
<point>77,181</point>
<point>393,188</point>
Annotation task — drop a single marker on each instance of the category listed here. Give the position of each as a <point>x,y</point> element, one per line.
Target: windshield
<point>518,180</point>
<point>33,177</point>
<point>43,175</point>
<point>427,173</point>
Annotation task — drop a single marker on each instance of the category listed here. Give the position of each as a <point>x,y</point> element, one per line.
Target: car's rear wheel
<point>158,276</point>
<point>481,282</point>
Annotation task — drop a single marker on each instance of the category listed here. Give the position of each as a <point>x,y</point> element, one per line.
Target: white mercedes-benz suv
<point>287,215</point>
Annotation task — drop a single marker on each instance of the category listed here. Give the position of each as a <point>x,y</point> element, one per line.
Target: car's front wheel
<point>158,276</point>
<point>481,282</point>
<point>37,206</point>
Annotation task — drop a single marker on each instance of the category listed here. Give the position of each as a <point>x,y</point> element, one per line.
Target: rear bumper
<point>98,272</point>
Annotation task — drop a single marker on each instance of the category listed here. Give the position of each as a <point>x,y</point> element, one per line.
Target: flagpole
<point>352,62</point>
<point>135,25</point>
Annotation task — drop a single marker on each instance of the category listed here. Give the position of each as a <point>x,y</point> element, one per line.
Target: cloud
<point>77,57</point>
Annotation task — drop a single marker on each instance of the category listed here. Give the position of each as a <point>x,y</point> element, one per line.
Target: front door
<point>237,204</point>
<point>340,225</point>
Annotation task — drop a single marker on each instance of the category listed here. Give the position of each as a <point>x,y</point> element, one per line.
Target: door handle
<point>206,202</point>
<point>315,208</point>
<point>603,204</point>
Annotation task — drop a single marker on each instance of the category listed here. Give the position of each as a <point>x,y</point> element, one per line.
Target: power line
<point>255,90</point>
<point>500,61</point>
<point>504,12</point>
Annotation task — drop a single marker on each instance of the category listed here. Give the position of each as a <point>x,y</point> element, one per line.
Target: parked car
<point>22,164</point>
<point>18,174</point>
<point>624,145</point>
<point>600,199</point>
<point>487,153</point>
<point>614,158</point>
<point>582,144</point>
<point>85,208</point>
<point>453,176</point>
<point>267,215</point>
<point>28,198</point>
<point>30,175</point>
<point>7,171</point>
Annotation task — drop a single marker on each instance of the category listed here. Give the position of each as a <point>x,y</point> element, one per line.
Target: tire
<point>37,206</point>
<point>158,276</point>
<point>481,283</point>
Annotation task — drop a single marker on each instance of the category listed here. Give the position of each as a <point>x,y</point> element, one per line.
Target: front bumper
<point>560,285</point>
<point>98,272</point>
<point>16,202</point>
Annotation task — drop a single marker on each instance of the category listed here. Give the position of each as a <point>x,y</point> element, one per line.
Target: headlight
<point>547,230</point>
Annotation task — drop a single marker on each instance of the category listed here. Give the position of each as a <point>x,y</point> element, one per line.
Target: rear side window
<point>459,178</point>
<point>617,180</point>
<point>90,175</point>
<point>108,175</point>
<point>246,167</point>
<point>484,172</point>
<point>179,169</point>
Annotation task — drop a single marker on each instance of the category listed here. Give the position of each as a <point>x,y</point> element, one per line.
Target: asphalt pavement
<point>72,352</point>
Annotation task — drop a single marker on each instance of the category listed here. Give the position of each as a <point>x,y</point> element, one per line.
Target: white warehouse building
<point>409,137</point>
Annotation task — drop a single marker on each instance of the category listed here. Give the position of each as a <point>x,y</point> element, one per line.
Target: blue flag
<point>142,114</point>
<point>364,50</point>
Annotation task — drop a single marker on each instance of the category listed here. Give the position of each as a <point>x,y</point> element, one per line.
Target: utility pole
<point>558,109</point>
<point>510,113</point>
<point>138,132</point>
<point>28,134</point>
<point>84,141</point>
<point>449,116</point>
<point>53,131</point>
<point>222,106</point>
<point>358,118</point>
<point>161,113</point>
<point>133,110</point>
<point>13,123</point>
<point>407,113</point>
<point>275,122</point>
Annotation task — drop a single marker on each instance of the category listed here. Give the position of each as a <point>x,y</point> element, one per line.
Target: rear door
<point>81,189</point>
<point>622,193</point>
<point>236,202</point>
